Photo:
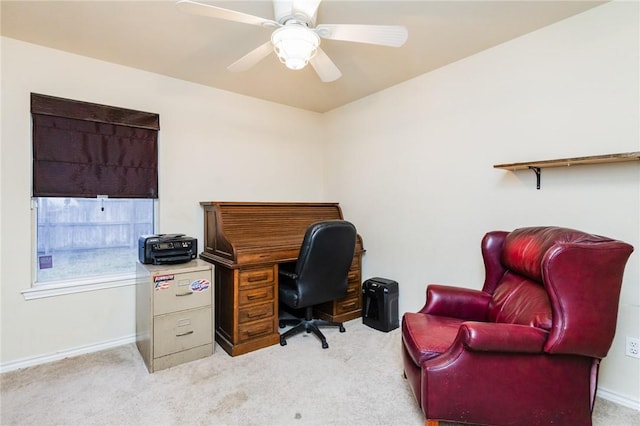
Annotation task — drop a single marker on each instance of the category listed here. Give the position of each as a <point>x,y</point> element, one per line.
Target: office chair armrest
<point>288,274</point>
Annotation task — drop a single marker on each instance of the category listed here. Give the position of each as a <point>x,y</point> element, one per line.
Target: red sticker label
<point>161,282</point>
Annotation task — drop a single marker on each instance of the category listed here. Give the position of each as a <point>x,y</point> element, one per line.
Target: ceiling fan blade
<point>196,8</point>
<point>384,35</point>
<point>324,67</point>
<point>251,58</point>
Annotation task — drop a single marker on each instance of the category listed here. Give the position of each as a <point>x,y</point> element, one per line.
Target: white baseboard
<point>80,350</point>
<point>618,399</point>
<point>43,359</point>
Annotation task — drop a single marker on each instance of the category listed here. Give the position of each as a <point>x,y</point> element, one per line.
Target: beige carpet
<point>357,381</point>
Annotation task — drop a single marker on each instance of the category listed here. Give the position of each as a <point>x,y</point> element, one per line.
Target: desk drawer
<point>255,330</point>
<point>255,295</point>
<point>256,312</point>
<point>256,277</point>
<point>181,330</point>
<point>355,263</point>
<point>353,290</point>
<point>347,305</point>
<point>177,292</point>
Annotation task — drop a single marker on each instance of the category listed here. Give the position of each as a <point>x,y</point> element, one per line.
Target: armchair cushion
<point>524,248</point>
<point>520,301</point>
<point>428,336</point>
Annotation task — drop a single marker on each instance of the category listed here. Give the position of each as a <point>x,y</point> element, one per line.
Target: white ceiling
<point>153,35</point>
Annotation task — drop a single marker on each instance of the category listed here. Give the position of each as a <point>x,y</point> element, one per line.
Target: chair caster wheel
<point>283,342</point>
<point>281,324</point>
<point>325,345</point>
<point>342,330</point>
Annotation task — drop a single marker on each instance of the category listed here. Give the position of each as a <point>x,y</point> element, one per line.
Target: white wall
<point>213,145</point>
<point>413,165</point>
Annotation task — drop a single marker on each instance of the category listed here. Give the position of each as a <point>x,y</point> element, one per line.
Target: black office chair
<point>320,275</point>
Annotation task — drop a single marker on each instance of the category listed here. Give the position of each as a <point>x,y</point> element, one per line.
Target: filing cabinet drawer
<point>176,292</point>
<point>255,295</point>
<point>256,277</point>
<point>255,330</point>
<point>183,330</point>
<point>257,312</point>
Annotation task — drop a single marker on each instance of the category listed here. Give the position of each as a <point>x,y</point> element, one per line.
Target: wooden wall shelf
<point>536,166</point>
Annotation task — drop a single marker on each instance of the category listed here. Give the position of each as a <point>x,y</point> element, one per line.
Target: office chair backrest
<point>324,260</point>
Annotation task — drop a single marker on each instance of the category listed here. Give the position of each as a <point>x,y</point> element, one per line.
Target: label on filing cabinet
<point>200,285</point>
<point>162,282</point>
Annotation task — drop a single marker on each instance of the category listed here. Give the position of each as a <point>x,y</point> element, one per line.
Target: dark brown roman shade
<point>82,149</point>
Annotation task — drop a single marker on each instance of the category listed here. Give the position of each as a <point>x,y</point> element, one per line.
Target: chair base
<point>309,325</point>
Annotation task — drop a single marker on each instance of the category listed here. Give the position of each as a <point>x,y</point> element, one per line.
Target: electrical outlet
<point>632,347</point>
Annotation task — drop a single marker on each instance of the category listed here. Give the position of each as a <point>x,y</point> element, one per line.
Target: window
<point>95,179</point>
<point>87,237</point>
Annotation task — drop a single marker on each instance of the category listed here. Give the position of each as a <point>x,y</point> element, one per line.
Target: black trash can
<point>380,304</point>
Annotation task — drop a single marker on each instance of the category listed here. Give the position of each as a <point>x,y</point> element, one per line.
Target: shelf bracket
<point>538,172</point>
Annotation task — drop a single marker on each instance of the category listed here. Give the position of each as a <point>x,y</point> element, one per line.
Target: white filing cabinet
<point>174,313</point>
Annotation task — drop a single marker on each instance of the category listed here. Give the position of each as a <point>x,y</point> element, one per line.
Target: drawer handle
<point>257,296</point>
<point>351,290</point>
<point>251,333</point>
<point>186,293</point>
<point>254,278</point>
<point>186,333</point>
<point>349,305</point>
<point>258,315</point>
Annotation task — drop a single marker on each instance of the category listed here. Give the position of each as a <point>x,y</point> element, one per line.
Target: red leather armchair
<point>525,350</point>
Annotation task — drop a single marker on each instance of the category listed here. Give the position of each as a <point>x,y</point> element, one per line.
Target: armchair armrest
<point>499,337</point>
<point>456,302</point>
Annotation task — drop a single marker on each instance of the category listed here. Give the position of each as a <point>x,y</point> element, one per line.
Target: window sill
<point>61,288</point>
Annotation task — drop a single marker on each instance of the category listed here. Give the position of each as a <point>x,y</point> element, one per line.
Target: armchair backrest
<point>558,279</point>
<point>323,264</point>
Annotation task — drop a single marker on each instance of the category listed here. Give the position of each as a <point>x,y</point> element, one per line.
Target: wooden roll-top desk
<point>246,242</point>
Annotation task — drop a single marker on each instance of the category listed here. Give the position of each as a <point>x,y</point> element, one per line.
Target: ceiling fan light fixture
<point>295,45</point>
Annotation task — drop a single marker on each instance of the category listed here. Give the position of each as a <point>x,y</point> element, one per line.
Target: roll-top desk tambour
<point>246,242</point>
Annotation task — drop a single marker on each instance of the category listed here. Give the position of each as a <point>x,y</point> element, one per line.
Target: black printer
<point>161,249</point>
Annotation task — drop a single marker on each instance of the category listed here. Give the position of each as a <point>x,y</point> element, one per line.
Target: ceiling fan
<point>296,38</point>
